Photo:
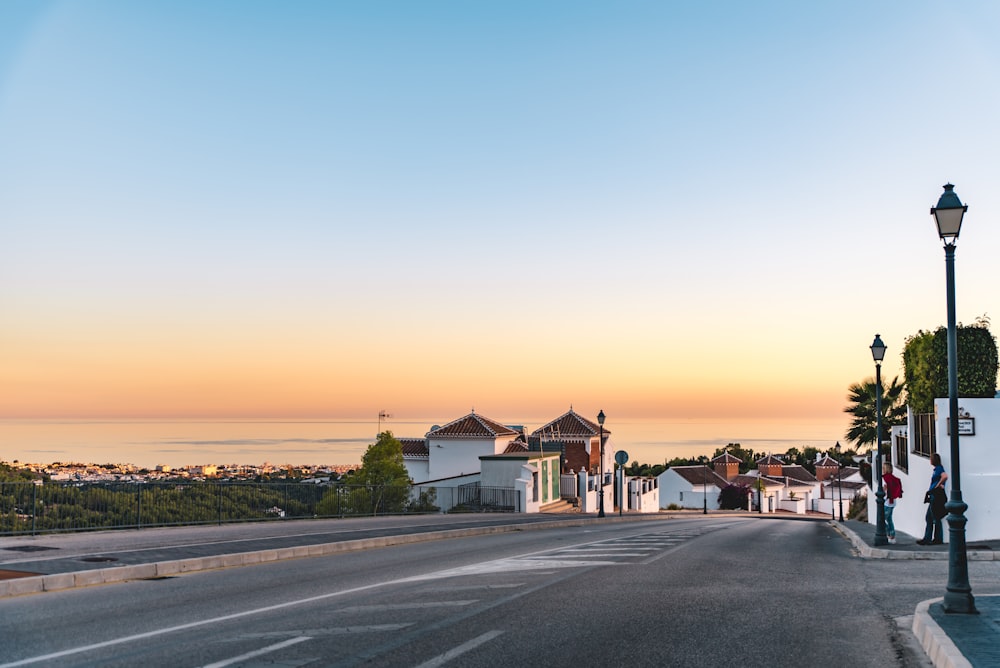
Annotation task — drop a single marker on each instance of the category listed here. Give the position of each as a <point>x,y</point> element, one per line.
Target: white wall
<point>417,469</point>
<point>980,474</point>
<point>450,457</point>
<point>672,486</point>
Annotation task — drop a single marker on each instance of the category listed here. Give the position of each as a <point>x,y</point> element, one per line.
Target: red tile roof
<point>797,472</point>
<point>726,458</point>
<point>414,447</point>
<point>700,475</point>
<point>472,426</point>
<point>571,425</point>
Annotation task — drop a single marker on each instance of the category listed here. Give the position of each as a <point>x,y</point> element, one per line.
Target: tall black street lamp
<point>958,598</point>
<point>600,421</point>
<point>840,484</point>
<point>878,354</point>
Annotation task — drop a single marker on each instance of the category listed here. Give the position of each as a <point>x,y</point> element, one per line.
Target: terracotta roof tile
<point>414,447</point>
<point>700,475</point>
<point>797,472</point>
<point>472,426</point>
<point>726,458</point>
<point>570,424</point>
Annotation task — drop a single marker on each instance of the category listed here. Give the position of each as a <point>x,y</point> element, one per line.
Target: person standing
<point>935,500</point>
<point>893,491</point>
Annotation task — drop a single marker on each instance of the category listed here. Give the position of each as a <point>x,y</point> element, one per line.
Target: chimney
<point>727,466</point>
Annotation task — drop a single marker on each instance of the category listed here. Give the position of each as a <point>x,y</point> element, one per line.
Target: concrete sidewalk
<point>950,640</point>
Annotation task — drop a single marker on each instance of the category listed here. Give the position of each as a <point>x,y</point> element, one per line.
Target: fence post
<point>34,505</point>
<point>138,506</point>
<point>219,487</point>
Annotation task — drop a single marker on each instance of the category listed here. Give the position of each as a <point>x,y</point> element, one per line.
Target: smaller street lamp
<point>704,490</point>
<point>840,485</point>
<point>878,354</point>
<point>600,421</point>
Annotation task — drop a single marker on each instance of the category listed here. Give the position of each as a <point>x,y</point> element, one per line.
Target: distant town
<point>72,471</point>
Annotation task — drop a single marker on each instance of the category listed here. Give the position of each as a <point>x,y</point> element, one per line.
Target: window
<point>902,452</point>
<point>924,441</point>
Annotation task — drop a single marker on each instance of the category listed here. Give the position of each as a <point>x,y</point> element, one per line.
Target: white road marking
<point>532,561</point>
<point>442,659</point>
<point>343,630</point>
<point>259,652</point>
<point>511,585</point>
<point>404,606</point>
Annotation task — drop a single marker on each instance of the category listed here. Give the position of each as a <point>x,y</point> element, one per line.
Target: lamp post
<point>840,484</point>
<point>600,421</point>
<point>958,598</point>
<point>704,490</point>
<point>878,354</point>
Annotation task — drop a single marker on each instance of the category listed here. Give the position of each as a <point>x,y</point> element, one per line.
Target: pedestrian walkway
<point>950,640</point>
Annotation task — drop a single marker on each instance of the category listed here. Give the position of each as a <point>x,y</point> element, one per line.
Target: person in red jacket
<point>893,491</point>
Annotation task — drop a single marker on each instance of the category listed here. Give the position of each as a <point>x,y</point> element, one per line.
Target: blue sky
<point>666,208</point>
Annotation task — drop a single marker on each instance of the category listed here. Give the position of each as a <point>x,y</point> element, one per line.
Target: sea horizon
<point>178,442</point>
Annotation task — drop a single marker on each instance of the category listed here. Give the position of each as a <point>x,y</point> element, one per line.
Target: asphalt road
<point>705,592</point>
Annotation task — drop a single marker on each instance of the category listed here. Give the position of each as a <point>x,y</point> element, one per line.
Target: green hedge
<point>925,361</point>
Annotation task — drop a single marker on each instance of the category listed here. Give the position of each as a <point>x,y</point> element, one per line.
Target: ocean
<point>151,442</point>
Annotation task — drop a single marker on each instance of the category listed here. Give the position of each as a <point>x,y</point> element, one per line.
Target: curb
<point>868,552</point>
<point>937,645</point>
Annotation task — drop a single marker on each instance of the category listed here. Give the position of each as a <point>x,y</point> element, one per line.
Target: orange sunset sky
<point>327,209</point>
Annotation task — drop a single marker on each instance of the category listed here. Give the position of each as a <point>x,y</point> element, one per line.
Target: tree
<point>925,361</point>
<point>734,497</point>
<point>382,483</point>
<point>382,463</point>
<point>862,406</point>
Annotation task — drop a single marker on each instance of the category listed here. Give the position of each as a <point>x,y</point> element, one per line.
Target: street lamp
<point>878,354</point>
<point>958,598</point>
<point>840,483</point>
<point>600,421</point>
<point>704,490</point>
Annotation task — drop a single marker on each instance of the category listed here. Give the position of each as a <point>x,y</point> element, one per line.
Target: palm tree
<point>862,406</point>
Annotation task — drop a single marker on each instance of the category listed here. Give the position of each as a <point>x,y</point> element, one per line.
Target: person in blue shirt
<point>933,532</point>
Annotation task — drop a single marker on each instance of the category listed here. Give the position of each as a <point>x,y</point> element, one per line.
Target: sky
<point>327,209</point>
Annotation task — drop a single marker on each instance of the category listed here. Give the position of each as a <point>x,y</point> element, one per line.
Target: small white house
<point>690,487</point>
<point>455,448</point>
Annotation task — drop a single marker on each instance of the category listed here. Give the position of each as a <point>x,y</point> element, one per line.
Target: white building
<point>909,453</point>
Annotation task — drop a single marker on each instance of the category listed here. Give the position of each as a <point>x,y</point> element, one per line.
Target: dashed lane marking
<point>259,652</point>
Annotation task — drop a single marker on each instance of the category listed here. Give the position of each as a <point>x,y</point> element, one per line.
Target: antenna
<point>382,415</point>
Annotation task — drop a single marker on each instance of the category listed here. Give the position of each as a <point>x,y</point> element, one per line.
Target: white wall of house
<point>980,473</point>
<point>674,489</point>
<point>417,469</point>
<point>451,456</point>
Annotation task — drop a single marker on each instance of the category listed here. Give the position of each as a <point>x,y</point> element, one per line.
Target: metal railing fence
<point>47,507</point>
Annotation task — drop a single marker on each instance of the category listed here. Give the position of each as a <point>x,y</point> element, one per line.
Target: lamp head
<point>948,214</point>
<point>600,418</point>
<point>878,349</point>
